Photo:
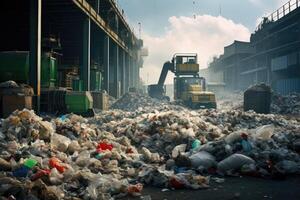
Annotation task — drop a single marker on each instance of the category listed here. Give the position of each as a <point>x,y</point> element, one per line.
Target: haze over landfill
<point>164,23</point>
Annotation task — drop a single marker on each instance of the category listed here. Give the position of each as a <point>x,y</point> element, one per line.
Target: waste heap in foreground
<point>117,152</point>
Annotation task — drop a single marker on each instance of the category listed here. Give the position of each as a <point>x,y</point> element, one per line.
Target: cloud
<point>206,35</point>
<point>268,3</point>
<point>256,2</point>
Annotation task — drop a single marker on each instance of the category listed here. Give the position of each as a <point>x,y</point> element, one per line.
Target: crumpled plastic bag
<point>152,157</point>
<point>178,149</point>
<point>264,132</point>
<point>234,162</point>
<point>190,181</point>
<point>60,142</point>
<point>203,159</point>
<point>289,167</point>
<point>234,136</point>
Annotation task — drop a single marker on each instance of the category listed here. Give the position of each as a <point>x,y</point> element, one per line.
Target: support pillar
<point>85,71</point>
<point>134,73</point>
<point>117,78</point>
<point>127,73</point>
<point>120,71</point>
<point>123,72</point>
<point>106,63</point>
<point>130,73</point>
<point>35,50</point>
<point>113,73</point>
<point>138,75</point>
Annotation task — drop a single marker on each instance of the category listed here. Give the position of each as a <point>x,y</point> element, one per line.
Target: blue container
<point>21,172</point>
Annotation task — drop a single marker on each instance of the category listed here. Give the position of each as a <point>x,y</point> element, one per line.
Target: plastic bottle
<point>196,144</point>
<point>246,146</point>
<point>245,143</point>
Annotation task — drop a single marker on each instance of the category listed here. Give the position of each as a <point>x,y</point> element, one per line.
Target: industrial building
<point>272,56</point>
<point>90,43</point>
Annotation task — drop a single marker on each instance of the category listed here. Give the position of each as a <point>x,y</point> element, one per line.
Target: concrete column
<point>130,72</point>
<point>120,71</point>
<point>134,73</point>
<point>123,72</point>
<point>106,62</point>
<point>85,72</point>
<point>35,50</point>
<point>138,75</point>
<point>113,74</point>
<point>117,71</point>
<point>127,73</point>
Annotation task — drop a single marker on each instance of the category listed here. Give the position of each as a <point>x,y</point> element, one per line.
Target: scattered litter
<point>141,142</point>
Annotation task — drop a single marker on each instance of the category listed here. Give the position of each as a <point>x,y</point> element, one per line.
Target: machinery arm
<point>167,66</point>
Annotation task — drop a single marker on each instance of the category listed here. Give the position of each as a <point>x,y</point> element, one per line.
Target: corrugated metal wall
<point>287,86</point>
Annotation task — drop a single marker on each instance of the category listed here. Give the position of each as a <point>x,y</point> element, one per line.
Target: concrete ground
<point>244,188</point>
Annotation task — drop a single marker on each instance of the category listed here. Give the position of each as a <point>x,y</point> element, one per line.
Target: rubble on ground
<point>280,104</point>
<point>111,101</point>
<point>289,104</point>
<point>229,101</point>
<point>141,142</point>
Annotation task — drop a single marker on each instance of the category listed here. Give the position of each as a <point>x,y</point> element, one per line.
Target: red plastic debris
<point>103,146</point>
<point>55,163</point>
<point>41,173</point>
<point>135,189</point>
<point>244,136</point>
<point>174,183</point>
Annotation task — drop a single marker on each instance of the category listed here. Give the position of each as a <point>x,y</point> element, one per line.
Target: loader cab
<point>185,59</point>
<point>185,64</point>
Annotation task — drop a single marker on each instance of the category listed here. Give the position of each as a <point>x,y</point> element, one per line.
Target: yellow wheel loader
<point>189,87</point>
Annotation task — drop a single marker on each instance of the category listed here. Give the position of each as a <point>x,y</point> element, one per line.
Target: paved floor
<point>233,188</point>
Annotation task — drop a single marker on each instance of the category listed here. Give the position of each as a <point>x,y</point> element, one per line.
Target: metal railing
<point>125,17</point>
<point>281,12</point>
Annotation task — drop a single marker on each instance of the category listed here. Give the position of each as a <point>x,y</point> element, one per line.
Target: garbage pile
<point>11,87</point>
<point>118,152</point>
<point>280,104</point>
<point>111,100</point>
<point>289,104</point>
<point>229,101</point>
<point>134,101</point>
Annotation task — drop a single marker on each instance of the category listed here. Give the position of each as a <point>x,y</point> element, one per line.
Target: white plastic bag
<point>234,162</point>
<point>178,149</point>
<point>264,132</point>
<point>60,142</point>
<point>203,159</point>
<point>234,136</point>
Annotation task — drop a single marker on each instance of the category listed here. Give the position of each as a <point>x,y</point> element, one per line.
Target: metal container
<point>14,65</point>
<point>100,100</point>
<point>96,80</point>
<point>16,98</point>
<point>78,102</point>
<point>258,99</point>
<point>10,103</point>
<point>48,71</point>
<point>77,85</point>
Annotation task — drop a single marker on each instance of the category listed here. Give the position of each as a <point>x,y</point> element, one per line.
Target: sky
<point>192,26</point>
